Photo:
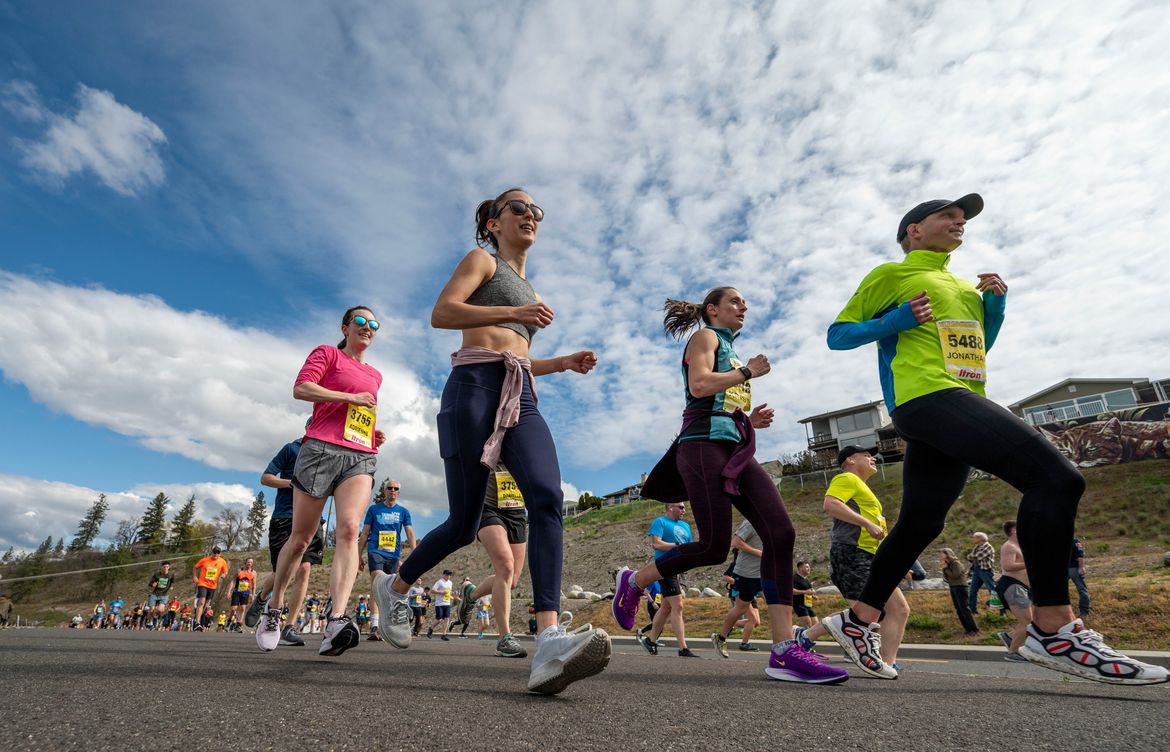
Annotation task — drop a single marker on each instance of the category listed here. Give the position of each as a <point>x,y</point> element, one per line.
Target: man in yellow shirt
<point>858,529</point>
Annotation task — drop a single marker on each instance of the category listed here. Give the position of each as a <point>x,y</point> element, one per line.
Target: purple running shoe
<point>626,598</point>
<point>794,664</point>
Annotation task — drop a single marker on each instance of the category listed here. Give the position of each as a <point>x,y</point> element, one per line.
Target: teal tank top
<point>717,427</point>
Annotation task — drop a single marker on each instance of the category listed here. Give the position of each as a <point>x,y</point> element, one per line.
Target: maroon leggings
<point>700,463</point>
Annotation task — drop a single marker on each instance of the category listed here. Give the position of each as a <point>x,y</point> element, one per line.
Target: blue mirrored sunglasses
<point>363,321</point>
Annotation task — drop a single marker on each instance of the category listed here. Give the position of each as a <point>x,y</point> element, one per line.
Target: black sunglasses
<point>519,208</point>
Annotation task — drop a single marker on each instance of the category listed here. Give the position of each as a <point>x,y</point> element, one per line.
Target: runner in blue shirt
<point>385,525</point>
<point>667,533</point>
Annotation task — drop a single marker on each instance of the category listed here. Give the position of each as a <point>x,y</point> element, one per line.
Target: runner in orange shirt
<point>242,588</point>
<point>207,573</point>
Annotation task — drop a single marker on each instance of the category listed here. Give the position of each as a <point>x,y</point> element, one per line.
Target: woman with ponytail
<point>337,458</point>
<point>712,463</point>
<point>488,415</point>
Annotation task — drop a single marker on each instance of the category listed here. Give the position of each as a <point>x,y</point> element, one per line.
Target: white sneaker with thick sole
<point>339,635</point>
<point>564,657</point>
<point>395,613</point>
<point>1082,652</point>
<point>268,630</point>
<point>861,644</point>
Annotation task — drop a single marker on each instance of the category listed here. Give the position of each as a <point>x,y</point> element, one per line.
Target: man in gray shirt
<point>747,585</point>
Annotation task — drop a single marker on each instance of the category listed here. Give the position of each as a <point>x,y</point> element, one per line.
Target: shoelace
<point>1096,640</point>
<point>271,620</point>
<point>565,620</point>
<point>400,614</point>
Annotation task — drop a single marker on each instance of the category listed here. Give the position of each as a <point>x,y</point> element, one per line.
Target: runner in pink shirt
<point>337,457</point>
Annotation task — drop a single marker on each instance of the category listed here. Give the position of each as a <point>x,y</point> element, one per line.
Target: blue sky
<point>189,197</point>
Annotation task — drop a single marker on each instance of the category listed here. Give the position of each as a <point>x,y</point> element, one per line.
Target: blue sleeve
<point>993,313</point>
<point>284,461</point>
<point>845,335</point>
<point>656,528</point>
<point>406,518</point>
<point>369,518</point>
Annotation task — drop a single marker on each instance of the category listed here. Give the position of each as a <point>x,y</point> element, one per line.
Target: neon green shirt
<point>917,359</point>
<point>852,491</point>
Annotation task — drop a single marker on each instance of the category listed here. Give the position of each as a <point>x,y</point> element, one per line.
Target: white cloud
<point>680,146</point>
<point>118,145</point>
<point>36,509</point>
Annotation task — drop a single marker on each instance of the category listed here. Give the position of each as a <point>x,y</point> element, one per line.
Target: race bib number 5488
<point>963,348</point>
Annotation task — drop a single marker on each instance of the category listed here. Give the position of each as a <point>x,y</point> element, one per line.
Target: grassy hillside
<point>1124,519</point>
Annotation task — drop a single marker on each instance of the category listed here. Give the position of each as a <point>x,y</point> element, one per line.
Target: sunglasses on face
<point>363,321</point>
<point>519,208</point>
<point>393,488</point>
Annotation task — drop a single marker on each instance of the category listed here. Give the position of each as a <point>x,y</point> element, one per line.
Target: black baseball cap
<point>852,449</point>
<point>447,571</point>
<point>215,549</point>
<point>971,204</point>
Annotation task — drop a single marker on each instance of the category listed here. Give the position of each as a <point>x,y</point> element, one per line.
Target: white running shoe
<point>564,657</point>
<point>861,644</point>
<point>268,630</point>
<point>1082,652</point>
<point>395,626</point>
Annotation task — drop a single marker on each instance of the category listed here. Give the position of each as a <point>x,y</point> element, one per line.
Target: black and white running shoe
<point>1082,652</point>
<point>340,635</point>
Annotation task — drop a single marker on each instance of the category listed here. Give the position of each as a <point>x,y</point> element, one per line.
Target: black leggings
<point>946,434</point>
<point>466,417</point>
<point>700,463</point>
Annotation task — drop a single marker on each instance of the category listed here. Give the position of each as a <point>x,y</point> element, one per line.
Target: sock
<point>1040,631</point>
<point>857,620</point>
<point>780,647</point>
<point>374,621</point>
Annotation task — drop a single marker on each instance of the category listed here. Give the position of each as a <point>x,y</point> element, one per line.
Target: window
<point>1120,398</point>
<point>855,422</point>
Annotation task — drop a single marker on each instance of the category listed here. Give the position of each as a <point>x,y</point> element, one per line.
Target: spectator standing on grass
<point>1076,573</point>
<point>982,558</point>
<point>956,580</point>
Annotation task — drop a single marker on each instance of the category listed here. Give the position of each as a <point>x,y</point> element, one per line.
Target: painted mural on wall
<point>1124,435</point>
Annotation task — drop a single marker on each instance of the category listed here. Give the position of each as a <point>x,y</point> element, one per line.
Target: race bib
<point>808,601</point>
<point>507,492</point>
<point>388,540</point>
<point>658,599</point>
<point>211,573</point>
<point>244,586</point>
<point>738,397</point>
<point>964,351</point>
<point>359,425</point>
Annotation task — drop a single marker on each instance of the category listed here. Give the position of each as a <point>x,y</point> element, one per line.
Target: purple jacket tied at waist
<point>664,482</point>
<point>508,413</point>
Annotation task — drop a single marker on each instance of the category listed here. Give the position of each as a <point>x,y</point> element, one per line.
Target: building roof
<point>1066,382</point>
<point>842,411</point>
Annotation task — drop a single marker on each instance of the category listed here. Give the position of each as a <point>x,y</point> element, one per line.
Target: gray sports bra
<point>506,288</point>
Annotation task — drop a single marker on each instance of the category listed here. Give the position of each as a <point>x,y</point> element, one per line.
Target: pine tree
<point>182,527</point>
<point>90,526</point>
<point>33,565</point>
<point>257,518</point>
<point>152,530</point>
<point>59,549</point>
<point>9,556</point>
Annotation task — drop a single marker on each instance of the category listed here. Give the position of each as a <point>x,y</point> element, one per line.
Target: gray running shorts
<point>1017,596</point>
<point>322,466</point>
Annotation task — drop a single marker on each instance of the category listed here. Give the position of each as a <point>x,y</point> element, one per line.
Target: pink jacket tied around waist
<point>508,413</point>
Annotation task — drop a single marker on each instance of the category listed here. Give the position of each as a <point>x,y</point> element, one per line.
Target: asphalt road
<point>66,689</point>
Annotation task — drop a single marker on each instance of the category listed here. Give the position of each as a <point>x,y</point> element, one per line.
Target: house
<point>624,495</point>
<point>867,424</point>
<point>1087,398</point>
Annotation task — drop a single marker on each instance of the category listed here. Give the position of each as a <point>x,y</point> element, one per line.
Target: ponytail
<point>682,316</point>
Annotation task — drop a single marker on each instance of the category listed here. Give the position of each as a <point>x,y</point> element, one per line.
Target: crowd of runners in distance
<point>932,329</point>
